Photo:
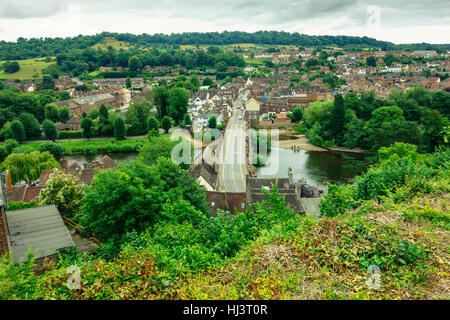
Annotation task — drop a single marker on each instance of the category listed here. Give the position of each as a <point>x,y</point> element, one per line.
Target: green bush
<point>89,150</point>
<point>55,149</point>
<point>12,206</point>
<point>10,145</point>
<point>337,201</point>
<point>70,135</point>
<point>3,152</point>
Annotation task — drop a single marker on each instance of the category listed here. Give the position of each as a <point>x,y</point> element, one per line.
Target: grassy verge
<point>89,147</point>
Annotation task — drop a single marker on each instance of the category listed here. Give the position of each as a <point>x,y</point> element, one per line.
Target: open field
<point>253,61</point>
<point>242,45</point>
<point>28,69</point>
<point>115,44</point>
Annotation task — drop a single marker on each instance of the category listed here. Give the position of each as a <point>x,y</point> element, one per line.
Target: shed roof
<point>41,229</point>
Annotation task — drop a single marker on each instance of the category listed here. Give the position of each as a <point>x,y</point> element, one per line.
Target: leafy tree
<point>398,150</point>
<point>152,123</point>
<point>207,82</point>
<point>195,82</point>
<point>407,104</point>
<point>49,129</point>
<point>354,132</point>
<point>94,113</point>
<point>48,83</point>
<point>28,166</point>
<point>133,197</point>
<point>157,147</point>
<point>87,126</point>
<point>64,114</point>
<point>31,125</point>
<point>119,129</point>
<point>388,125</point>
<point>11,67</point>
<point>51,112</point>
<point>297,114</point>
<point>310,63</point>
<point>371,61</point>
<point>55,149</point>
<point>187,120</point>
<point>178,101</point>
<point>103,112</point>
<point>160,96</point>
<point>10,144</point>
<point>389,59</point>
<point>317,112</point>
<point>420,95</point>
<point>337,119</point>
<point>134,63</point>
<point>166,124</point>
<point>137,115</point>
<point>433,124</point>
<point>221,66</point>
<point>18,131</point>
<point>212,122</point>
<point>63,190</point>
<point>3,152</point>
<point>128,83</point>
<point>441,102</point>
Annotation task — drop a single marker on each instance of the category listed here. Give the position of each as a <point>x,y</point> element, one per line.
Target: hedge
<point>70,134</point>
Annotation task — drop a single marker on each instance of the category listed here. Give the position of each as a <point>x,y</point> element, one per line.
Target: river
<point>117,157</point>
<point>317,167</point>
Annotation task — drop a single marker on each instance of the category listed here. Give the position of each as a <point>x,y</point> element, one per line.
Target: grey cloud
<point>18,9</point>
<point>270,13</point>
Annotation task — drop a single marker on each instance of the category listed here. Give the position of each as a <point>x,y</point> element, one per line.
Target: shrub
<point>70,135</point>
<point>297,114</point>
<point>18,131</point>
<point>10,145</point>
<point>64,191</point>
<point>55,149</point>
<point>12,206</point>
<point>166,123</point>
<point>120,130</point>
<point>89,150</point>
<point>338,200</point>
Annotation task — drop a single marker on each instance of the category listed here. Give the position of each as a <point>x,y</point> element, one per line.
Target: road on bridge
<point>233,170</point>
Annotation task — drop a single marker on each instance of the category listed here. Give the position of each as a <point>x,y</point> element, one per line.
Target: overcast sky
<point>398,21</point>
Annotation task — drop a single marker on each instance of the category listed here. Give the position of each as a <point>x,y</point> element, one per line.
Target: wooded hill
<point>42,47</point>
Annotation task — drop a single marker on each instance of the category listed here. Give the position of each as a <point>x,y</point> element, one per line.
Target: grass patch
<point>89,147</point>
<point>115,44</point>
<point>29,69</point>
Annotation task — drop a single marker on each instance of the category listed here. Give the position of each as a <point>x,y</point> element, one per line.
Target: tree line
<point>417,116</point>
<point>43,47</point>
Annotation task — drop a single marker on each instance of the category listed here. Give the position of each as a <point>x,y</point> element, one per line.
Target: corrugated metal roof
<point>39,228</point>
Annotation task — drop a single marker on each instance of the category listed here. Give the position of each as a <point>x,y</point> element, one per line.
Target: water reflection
<point>117,157</point>
<point>316,167</point>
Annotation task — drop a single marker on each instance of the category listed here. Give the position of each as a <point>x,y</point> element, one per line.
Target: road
<point>233,171</point>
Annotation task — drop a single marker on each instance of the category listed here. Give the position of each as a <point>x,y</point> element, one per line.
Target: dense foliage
<point>28,166</point>
<point>417,117</point>
<point>32,48</point>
